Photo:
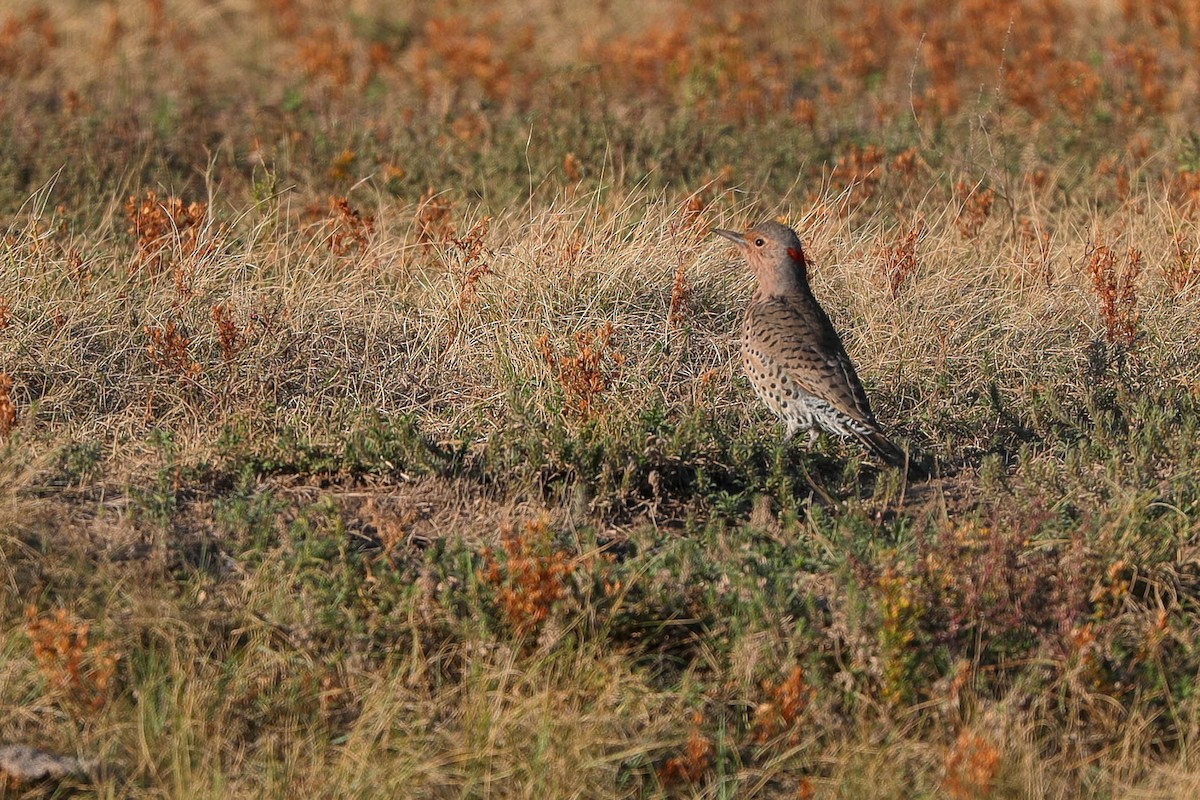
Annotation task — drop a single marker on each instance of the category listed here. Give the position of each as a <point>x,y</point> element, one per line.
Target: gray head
<point>775,255</point>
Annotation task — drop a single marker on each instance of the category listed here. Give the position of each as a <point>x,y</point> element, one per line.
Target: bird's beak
<point>732,236</point>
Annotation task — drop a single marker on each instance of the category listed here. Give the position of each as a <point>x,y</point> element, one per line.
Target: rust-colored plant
<point>393,527</point>
<point>1037,177</point>
<point>475,267</point>
<point>976,207</point>
<point>586,376</point>
<point>905,164</point>
<point>8,409</point>
<point>26,42</point>
<point>971,767</point>
<point>231,337</point>
<point>867,43</point>
<point>804,113</point>
<point>1114,284</point>
<point>692,219</point>
<point>161,226</point>
<point>70,661</point>
<point>1146,90</point>
<point>350,229</point>
<point>691,223</point>
<point>285,14</point>
<point>860,169</point>
<point>339,168</point>
<point>326,56</point>
<point>899,259</point>
<point>572,168</point>
<point>681,295</point>
<point>1077,87</point>
<point>785,706</point>
<point>463,52</point>
<point>697,758</point>
<point>170,350</point>
<point>566,247</point>
<point>79,272</point>
<point>530,576</point>
<point>1111,167</point>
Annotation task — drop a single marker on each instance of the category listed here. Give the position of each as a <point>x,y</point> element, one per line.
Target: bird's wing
<point>796,334</point>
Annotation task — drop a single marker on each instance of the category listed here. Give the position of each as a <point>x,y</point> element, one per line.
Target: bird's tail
<point>884,448</point>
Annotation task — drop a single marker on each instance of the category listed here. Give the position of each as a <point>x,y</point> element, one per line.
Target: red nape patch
<point>795,254</point>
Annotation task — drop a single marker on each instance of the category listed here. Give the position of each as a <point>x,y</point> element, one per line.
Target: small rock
<point>22,765</point>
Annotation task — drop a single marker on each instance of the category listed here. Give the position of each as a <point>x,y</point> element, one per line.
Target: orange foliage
<point>169,349</point>
<point>572,168</point>
<point>1183,189</point>
<point>783,710</point>
<point>161,226</point>
<point>474,266</point>
<point>1114,286</point>
<point>586,376</point>
<point>231,337</point>
<point>68,658</point>
<point>530,578</point>
<point>971,767</point>
<point>859,169</point>
<point>8,409</point>
<point>681,296</point>
<point>350,229</point>
<point>25,43</point>
<point>698,757</point>
<point>465,51</point>
<point>899,260</point>
<point>975,209</point>
<point>325,55</point>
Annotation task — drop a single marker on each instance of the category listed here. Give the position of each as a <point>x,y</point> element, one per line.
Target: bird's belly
<point>788,401</point>
<point>778,391</point>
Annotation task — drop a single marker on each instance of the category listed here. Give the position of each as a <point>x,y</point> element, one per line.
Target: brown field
<point>371,423</point>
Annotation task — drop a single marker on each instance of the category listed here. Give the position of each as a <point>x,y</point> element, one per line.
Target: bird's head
<point>775,255</point>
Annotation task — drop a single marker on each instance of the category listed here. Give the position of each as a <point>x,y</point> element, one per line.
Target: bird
<point>791,352</point>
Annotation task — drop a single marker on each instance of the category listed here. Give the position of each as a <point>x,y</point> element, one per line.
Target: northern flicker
<point>790,351</point>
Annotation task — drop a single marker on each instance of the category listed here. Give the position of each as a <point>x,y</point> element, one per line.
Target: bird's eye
<point>759,242</point>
